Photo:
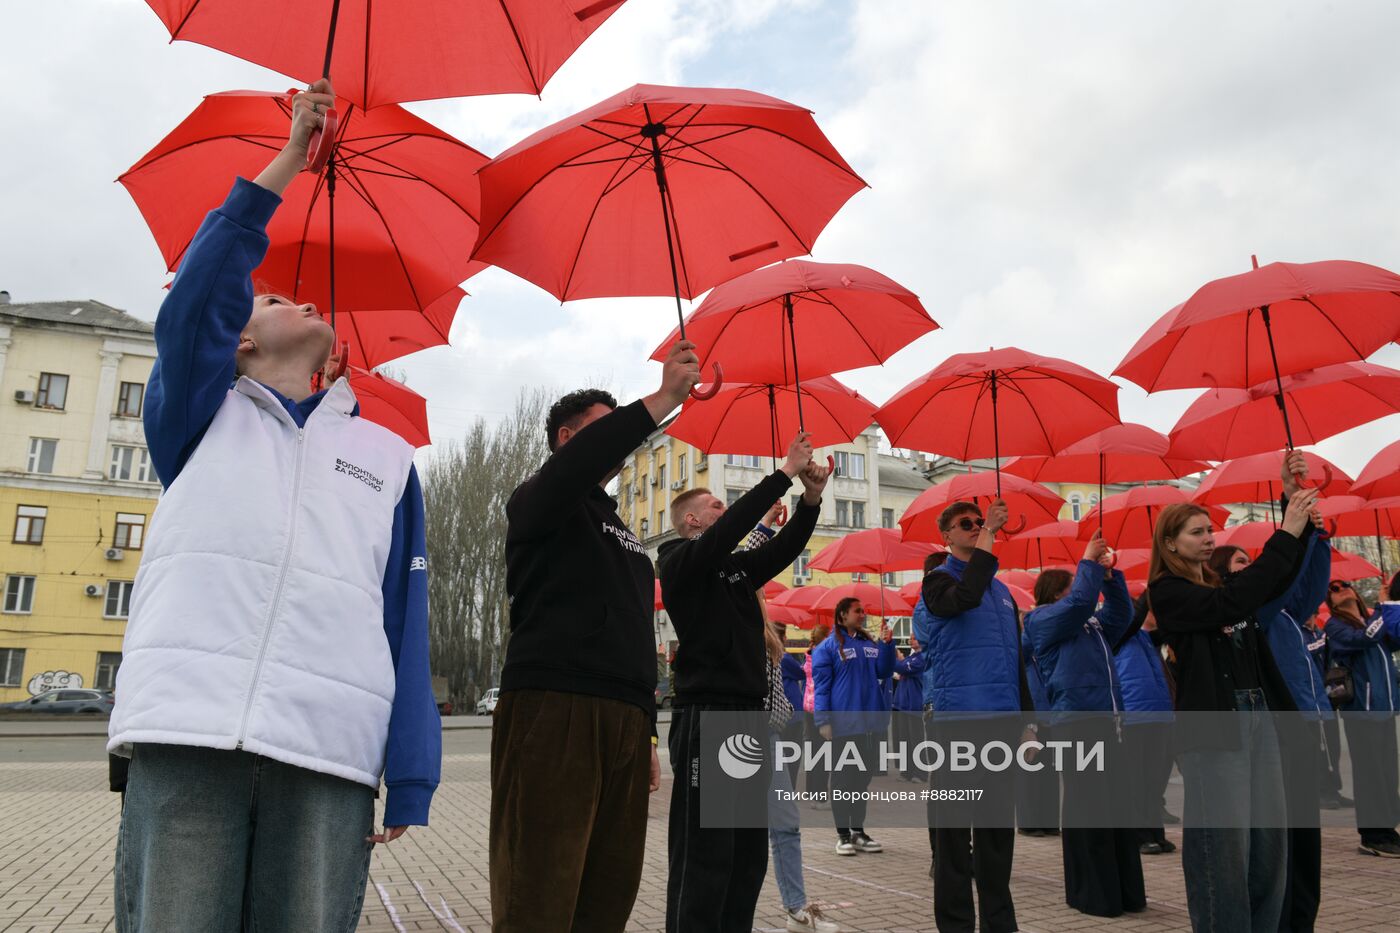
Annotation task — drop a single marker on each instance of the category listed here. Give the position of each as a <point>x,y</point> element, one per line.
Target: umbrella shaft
<point>796,377</point>
<point>1278,379</point>
<point>330,208</point>
<point>330,38</point>
<point>660,170</point>
<point>996,435</point>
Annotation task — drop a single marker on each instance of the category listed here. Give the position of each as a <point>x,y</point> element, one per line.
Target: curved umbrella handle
<point>781,518</point>
<point>700,394</point>
<point>322,141</point>
<point>1007,529</point>
<point>343,363</point>
<point>1112,558</point>
<point>1323,483</point>
<point>831,466</point>
<point>1331,530</point>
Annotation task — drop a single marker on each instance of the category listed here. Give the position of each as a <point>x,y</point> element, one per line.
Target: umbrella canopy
<point>1353,516</point>
<point>761,420</point>
<point>773,588</point>
<point>1249,536</point>
<point>1128,518</point>
<point>657,604</point>
<point>376,337</point>
<point>800,597</point>
<point>1277,319</point>
<point>1037,504</point>
<point>1380,478</point>
<point>1000,402</point>
<point>404,213</point>
<point>1227,423</point>
<point>790,615</point>
<point>396,52</point>
<point>747,179</point>
<point>877,600</point>
<point>1256,479</point>
<point>1134,561</point>
<point>1042,546</point>
<point>1348,566</point>
<point>392,404</point>
<point>1024,599</point>
<point>1120,453</point>
<point>829,316</point>
<point>1023,579</point>
<point>876,550</point>
<point>911,592</point>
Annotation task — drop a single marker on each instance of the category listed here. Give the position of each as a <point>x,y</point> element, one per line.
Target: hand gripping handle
<point>700,394</point>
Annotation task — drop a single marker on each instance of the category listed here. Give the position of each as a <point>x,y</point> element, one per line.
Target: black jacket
<point>580,583</point>
<point>709,592</point>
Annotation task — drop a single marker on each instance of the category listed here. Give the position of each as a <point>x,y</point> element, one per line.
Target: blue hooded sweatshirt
<point>1366,652</point>
<point>1035,680</point>
<point>1282,621</point>
<point>846,675</point>
<point>1073,642</point>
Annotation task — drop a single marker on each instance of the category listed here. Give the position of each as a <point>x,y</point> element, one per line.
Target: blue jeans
<point>1236,875</point>
<point>226,841</point>
<point>785,838</point>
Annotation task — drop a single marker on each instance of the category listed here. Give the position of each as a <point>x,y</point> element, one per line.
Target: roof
<point>86,312</point>
<point>898,473</point>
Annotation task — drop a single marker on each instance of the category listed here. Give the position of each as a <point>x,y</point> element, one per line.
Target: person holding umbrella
<point>270,680</point>
<point>1235,875</point>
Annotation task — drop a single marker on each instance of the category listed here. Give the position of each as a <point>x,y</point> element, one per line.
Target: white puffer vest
<point>257,620</point>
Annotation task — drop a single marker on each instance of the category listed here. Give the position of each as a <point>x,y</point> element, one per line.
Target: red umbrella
<point>1034,503</point>
<point>1354,517</point>
<point>1136,588</point>
<point>1226,423</point>
<point>1380,478</point>
<point>401,228</point>
<point>1042,546</point>
<point>876,550</point>
<point>832,317</point>
<point>878,600</point>
<point>1249,536</point>
<point>1133,562</point>
<point>1348,566</point>
<point>1256,479</point>
<point>392,404</point>
<point>999,402</point>
<point>1023,579</point>
<point>657,604</point>
<point>1127,519</point>
<point>911,592</point>
<point>1120,453</point>
<point>773,588</point>
<point>800,597</point>
<point>790,615</point>
<point>1024,599</point>
<point>761,419</point>
<point>392,53</point>
<point>376,337</point>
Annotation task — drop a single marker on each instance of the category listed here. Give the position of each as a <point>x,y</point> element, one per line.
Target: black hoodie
<point>709,592</point>
<point>580,583</point>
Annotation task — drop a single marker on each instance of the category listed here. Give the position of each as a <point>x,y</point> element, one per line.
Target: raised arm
<point>946,595</point>
<point>764,563</point>
<point>1063,619</point>
<point>1116,616</point>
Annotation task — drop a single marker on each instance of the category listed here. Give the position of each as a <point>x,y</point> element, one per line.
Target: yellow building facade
<point>77,490</point>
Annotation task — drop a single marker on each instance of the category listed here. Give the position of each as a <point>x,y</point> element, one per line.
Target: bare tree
<point>466,486</point>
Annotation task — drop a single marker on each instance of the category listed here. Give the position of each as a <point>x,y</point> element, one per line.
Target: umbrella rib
<point>413,176</point>
<point>583,237</point>
<point>524,57</point>
<point>873,352</point>
<point>796,142</point>
<point>758,194</point>
<point>306,225</point>
<point>393,242</point>
<point>1328,317</point>
<point>1044,431</point>
<point>680,250</point>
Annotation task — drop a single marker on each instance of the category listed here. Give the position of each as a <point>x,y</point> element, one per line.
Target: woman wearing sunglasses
<point>1362,642</point>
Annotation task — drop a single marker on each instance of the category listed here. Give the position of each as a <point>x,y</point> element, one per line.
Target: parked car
<point>66,701</point>
<point>487,704</point>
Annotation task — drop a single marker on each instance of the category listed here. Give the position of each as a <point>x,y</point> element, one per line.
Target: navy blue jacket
<point>794,680</point>
<point>909,689</point>
<point>1146,696</point>
<point>849,682</point>
<point>1072,641</point>
<point>1035,680</point>
<point>1282,621</point>
<point>1366,653</point>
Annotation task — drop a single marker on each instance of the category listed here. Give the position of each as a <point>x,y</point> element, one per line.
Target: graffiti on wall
<point>54,680</point>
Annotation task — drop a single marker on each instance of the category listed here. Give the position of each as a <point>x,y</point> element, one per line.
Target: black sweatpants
<point>1038,794</point>
<point>1302,743</point>
<point>1331,772</point>
<point>1151,744</point>
<point>716,874</point>
<point>1103,868</point>
<point>1375,774</point>
<point>855,778</point>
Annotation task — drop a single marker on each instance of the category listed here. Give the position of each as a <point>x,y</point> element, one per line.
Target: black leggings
<point>854,778</point>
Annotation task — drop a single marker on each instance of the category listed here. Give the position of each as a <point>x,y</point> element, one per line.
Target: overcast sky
<point>1050,175</point>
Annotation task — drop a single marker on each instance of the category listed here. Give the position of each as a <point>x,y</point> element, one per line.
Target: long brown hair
<point>1166,561</point>
<point>838,630</point>
<point>1333,603</point>
<point>1050,584</point>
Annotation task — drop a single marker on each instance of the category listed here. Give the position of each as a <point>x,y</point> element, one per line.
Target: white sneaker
<point>844,846</point>
<point>864,843</point>
<point>810,920</point>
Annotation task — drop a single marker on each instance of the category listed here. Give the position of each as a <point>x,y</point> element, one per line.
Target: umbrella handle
<point>1019,527</point>
<point>1112,558</point>
<point>1331,530</point>
<point>831,466</point>
<point>781,518</point>
<point>322,141</point>
<point>344,362</point>
<point>701,395</point>
<point>1323,484</point>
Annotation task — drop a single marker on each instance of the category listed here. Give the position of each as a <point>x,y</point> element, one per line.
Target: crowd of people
<point>244,807</point>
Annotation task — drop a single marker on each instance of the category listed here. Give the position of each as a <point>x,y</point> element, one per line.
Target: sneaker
<point>1167,845</point>
<point>810,920</point>
<point>1169,818</point>
<point>844,846</point>
<point>1049,832</point>
<point>864,843</point>
<point>1151,848</point>
<point>1330,803</point>
<point>1379,847</point>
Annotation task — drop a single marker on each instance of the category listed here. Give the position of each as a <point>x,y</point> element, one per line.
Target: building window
<point>129,400</point>
<point>736,460</point>
<point>1076,505</point>
<point>107,664</point>
<point>642,487</point>
<point>858,577</point>
<point>29,524</point>
<point>11,667</point>
<point>801,573</point>
<point>53,391</point>
<point>702,460</point>
<point>19,594</point>
<point>131,463</point>
<point>42,451</point>
<point>843,512</point>
<point>887,518</point>
<point>118,599</point>
<point>849,465</point>
<point>681,475</point>
<point>887,579</point>
<point>661,519</point>
<point>661,476</point>
<point>131,528</point>
<point>857,514</point>
<point>732,496</point>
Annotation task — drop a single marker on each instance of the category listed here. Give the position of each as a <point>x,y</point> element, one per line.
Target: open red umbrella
<point>394,52</point>
<point>1019,578</point>
<point>790,615</point>
<point>1256,479</point>
<point>760,420</point>
<point>1354,517</point>
<point>800,597</point>
<point>1034,503</point>
<point>911,592</point>
<point>832,317</point>
<point>657,604</point>
<point>1249,536</point>
<point>773,589</point>
<point>1042,546</point>
<point>1227,423</point>
<point>376,337</point>
<point>1024,598</point>
<point>1348,566</point>
<point>1380,478</point>
<point>999,402</point>
<point>391,403</point>
<point>875,550</point>
<point>877,600</point>
<point>1127,519</point>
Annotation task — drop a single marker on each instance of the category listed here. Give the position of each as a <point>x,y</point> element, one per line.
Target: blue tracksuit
<point>1282,621</point>
<point>1366,652</point>
<point>1035,680</point>
<point>1073,643</point>
<point>846,675</point>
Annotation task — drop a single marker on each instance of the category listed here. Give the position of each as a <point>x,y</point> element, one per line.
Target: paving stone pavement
<point>56,868</point>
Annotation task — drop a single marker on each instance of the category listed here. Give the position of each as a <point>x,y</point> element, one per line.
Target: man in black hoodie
<point>710,592</point>
<point>573,744</point>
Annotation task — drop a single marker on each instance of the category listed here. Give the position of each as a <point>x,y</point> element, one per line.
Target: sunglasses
<point>967,524</point>
<point>1336,586</point>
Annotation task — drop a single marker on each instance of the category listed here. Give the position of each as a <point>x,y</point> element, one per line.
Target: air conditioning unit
<point>702,465</point>
<point>92,589</point>
<point>645,525</point>
<point>114,553</point>
<point>653,480</point>
<point>636,490</point>
<point>24,396</point>
<point>800,579</point>
<point>678,484</point>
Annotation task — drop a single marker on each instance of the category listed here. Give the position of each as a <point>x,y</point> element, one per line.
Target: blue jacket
<point>1072,640</point>
<point>972,635</point>
<point>197,333</point>
<point>850,683</point>
<point>794,680</point>
<point>1366,653</point>
<point>1143,680</point>
<point>1034,679</point>
<point>1282,621</point>
<point>909,689</point>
